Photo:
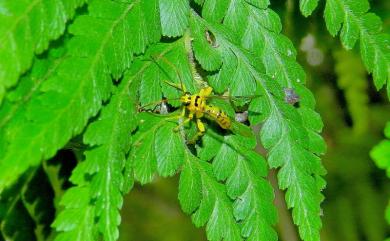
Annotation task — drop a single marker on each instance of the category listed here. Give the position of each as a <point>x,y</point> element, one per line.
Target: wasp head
<point>186,99</point>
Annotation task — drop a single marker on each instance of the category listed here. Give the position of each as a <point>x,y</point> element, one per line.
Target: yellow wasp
<point>197,107</point>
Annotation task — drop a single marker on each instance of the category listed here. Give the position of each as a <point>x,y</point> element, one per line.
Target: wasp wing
<point>241,129</point>
<point>233,98</point>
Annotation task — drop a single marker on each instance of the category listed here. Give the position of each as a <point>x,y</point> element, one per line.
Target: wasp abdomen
<point>218,115</point>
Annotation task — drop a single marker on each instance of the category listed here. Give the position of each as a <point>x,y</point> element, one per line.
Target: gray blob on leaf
<point>290,96</point>
<point>241,117</point>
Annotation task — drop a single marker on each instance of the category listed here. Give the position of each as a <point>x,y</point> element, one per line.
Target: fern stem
<point>191,60</point>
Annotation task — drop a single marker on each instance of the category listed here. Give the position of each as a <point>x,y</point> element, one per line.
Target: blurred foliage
<point>158,208</point>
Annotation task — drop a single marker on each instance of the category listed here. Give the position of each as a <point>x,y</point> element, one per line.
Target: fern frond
<point>356,23</point>
<point>110,139</point>
<point>156,147</point>
<point>277,52</point>
<point>110,136</point>
<point>293,143</point>
<point>28,86</point>
<point>202,195</point>
<point>290,135</point>
<point>307,6</point>
<point>76,221</point>
<point>260,34</point>
<point>98,50</point>
<point>27,27</point>
<point>245,172</point>
<point>174,17</point>
<point>208,56</point>
<point>381,152</point>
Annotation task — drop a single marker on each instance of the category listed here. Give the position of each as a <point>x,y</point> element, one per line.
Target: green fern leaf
<point>110,135</point>
<point>75,92</point>
<point>26,29</point>
<point>15,100</point>
<point>156,147</point>
<point>307,6</point>
<point>356,23</point>
<point>233,73</point>
<point>262,36</point>
<point>174,17</point>
<point>208,56</point>
<point>284,133</point>
<point>381,152</point>
<point>169,151</point>
<point>277,52</point>
<point>142,155</point>
<point>77,220</point>
<point>290,135</point>
<point>244,172</point>
<point>202,195</point>
<point>214,10</point>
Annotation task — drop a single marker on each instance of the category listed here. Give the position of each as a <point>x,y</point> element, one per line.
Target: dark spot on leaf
<point>290,96</point>
<point>211,39</point>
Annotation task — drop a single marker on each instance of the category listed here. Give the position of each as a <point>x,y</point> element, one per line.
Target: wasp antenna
<point>164,100</point>
<point>183,88</point>
<point>154,59</point>
<point>143,107</point>
<point>173,85</point>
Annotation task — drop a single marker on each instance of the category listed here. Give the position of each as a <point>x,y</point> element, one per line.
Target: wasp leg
<point>190,116</point>
<point>201,131</point>
<point>200,125</point>
<point>205,91</point>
